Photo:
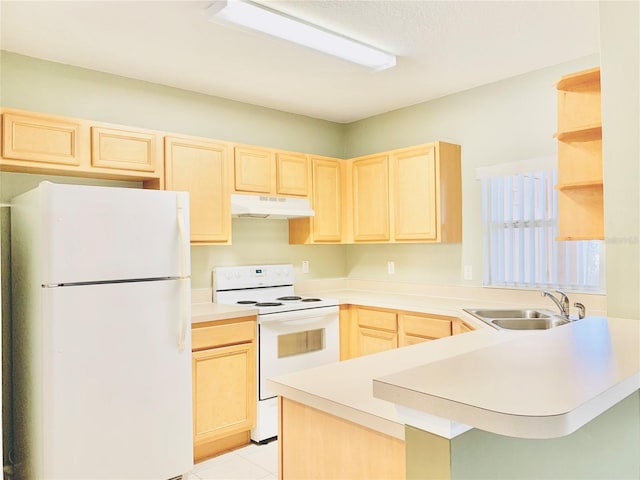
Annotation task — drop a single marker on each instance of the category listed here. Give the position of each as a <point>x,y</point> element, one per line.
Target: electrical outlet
<point>305,266</point>
<point>468,272</point>
<point>391,268</point>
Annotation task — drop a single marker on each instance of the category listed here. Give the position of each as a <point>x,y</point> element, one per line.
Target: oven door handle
<point>307,321</point>
<point>300,317</point>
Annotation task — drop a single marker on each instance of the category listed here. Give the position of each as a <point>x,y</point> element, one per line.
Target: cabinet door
<point>41,139</point>
<point>253,170</point>
<point>202,168</point>
<point>124,149</point>
<point>327,200</point>
<point>224,391</point>
<point>458,327</point>
<point>292,174</point>
<point>374,341</point>
<point>378,319</point>
<point>370,199</point>
<point>415,328</point>
<point>413,174</point>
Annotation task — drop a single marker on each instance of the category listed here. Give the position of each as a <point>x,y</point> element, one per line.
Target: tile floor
<point>253,462</point>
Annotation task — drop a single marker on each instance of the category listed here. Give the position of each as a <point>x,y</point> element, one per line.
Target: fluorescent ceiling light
<point>288,28</point>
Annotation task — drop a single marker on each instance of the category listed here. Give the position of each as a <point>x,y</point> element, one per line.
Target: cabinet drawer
<point>377,319</point>
<point>218,335</point>
<point>428,327</point>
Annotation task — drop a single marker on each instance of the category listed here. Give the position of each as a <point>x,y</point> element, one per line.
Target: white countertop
<point>538,385</point>
<point>213,312</point>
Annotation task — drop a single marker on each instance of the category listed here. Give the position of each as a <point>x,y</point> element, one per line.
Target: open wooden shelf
<point>579,237</point>
<point>583,134</point>
<point>579,79</point>
<point>577,185</point>
<point>580,186</point>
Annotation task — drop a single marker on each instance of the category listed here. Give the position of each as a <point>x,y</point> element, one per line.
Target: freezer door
<point>104,233</point>
<point>116,388</point>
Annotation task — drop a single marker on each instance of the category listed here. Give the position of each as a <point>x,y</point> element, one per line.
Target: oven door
<point>291,341</point>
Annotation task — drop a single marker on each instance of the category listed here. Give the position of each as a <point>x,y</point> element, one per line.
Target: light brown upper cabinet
<point>426,193</point>
<point>253,169</point>
<point>54,145</point>
<point>408,195</point>
<point>292,174</point>
<point>203,168</point>
<point>327,201</point>
<point>271,172</point>
<point>580,185</point>
<point>42,139</point>
<point>134,150</point>
<point>370,196</point>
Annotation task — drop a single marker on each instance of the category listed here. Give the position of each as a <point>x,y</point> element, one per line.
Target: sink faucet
<point>562,303</point>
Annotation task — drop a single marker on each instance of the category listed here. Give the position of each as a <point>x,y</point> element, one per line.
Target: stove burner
<point>311,299</point>
<point>246,302</point>
<point>292,297</point>
<point>268,304</point>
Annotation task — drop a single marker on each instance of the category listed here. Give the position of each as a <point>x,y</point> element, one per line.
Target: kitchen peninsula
<point>561,403</point>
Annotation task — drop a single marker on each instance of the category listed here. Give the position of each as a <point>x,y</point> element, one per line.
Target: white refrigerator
<point>101,333</point>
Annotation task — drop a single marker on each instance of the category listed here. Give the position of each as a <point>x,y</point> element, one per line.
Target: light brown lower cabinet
<point>315,444</point>
<point>374,341</point>
<point>367,330</point>
<point>417,328</point>
<point>377,330</point>
<point>224,385</point>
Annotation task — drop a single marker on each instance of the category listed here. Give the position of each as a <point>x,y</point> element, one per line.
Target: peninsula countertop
<point>548,383</point>
<point>542,385</point>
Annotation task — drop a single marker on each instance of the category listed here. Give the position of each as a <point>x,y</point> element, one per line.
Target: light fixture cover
<point>271,22</point>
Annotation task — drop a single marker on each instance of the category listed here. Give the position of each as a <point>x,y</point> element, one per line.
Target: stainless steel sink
<point>519,319</point>
<point>528,323</point>
<point>522,313</point>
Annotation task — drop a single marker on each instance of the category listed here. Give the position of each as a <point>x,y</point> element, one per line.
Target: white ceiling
<point>442,47</point>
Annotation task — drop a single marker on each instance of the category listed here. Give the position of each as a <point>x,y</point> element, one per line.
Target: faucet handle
<point>565,301</point>
<point>581,310</point>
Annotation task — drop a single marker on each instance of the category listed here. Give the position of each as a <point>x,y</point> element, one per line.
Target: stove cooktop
<point>288,303</point>
<point>267,287</point>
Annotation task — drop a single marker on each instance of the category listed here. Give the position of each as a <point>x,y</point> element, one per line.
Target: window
<point>519,208</point>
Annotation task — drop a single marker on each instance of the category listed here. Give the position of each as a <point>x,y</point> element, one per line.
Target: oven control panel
<point>252,276</point>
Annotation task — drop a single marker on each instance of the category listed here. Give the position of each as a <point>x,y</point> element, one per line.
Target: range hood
<point>259,206</point>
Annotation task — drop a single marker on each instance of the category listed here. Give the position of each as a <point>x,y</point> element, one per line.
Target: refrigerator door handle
<point>184,241</point>
<point>184,293</point>
<point>182,328</point>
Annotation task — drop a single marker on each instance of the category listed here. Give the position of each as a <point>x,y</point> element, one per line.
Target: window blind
<point>519,229</point>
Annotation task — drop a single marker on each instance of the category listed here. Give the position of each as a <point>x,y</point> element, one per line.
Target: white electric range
<point>294,332</point>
